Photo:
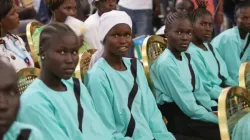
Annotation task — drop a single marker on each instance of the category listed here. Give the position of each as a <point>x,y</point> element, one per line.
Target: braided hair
<point>52,32</point>
<point>201,10</point>
<point>174,15</point>
<point>4,10</point>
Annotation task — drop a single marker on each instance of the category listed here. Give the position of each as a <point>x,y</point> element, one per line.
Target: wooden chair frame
<point>145,46</point>
<point>244,70</point>
<point>30,29</point>
<point>224,119</point>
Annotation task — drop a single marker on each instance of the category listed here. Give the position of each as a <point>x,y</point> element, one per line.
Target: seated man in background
<point>233,44</point>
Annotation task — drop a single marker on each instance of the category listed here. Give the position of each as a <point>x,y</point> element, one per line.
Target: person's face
<point>9,98</point>
<point>184,6</point>
<point>10,21</point>
<point>61,57</point>
<point>68,8</point>
<point>179,35</point>
<point>106,6</point>
<point>243,19</point>
<point>118,40</point>
<point>203,27</point>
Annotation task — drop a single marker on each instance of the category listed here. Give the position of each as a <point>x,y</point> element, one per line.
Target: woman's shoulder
<point>35,93</point>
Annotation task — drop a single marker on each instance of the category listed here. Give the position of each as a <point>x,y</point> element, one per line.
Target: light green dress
<point>110,90</point>
<point>242,128</point>
<point>55,113</point>
<point>207,68</point>
<point>17,127</point>
<point>230,45</point>
<point>172,83</point>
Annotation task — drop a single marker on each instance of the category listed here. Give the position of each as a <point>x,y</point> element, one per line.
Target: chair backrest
<point>30,29</point>
<point>85,61</point>
<point>152,47</point>
<point>234,103</point>
<point>26,77</point>
<point>244,76</point>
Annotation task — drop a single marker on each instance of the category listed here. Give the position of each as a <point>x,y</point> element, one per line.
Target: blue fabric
<point>142,21</point>
<point>43,15</point>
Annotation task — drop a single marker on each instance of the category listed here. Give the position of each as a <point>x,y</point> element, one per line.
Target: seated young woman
<point>177,86</point>
<point>12,46</point>
<point>233,44</point>
<point>55,103</point>
<point>210,66</point>
<point>10,129</point>
<point>119,87</point>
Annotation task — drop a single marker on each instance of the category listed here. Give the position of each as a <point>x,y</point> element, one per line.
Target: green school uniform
<point>56,114</point>
<point>230,46</point>
<point>172,83</point>
<point>110,90</point>
<point>207,68</point>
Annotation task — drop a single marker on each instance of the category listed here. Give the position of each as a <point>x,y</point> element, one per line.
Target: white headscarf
<point>110,19</point>
<point>107,22</point>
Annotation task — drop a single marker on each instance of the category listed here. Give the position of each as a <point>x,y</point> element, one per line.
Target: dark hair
<point>190,1</point>
<point>52,32</point>
<point>201,10</point>
<point>242,5</point>
<point>53,5</point>
<point>174,15</point>
<point>5,8</point>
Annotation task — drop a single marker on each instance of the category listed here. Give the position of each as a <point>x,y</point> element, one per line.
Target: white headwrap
<point>107,22</point>
<point>110,19</point>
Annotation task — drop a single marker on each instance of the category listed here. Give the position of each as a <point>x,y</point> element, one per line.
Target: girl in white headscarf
<point>119,87</point>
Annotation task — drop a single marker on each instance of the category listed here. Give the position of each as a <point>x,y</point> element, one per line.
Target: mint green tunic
<point>207,68</point>
<point>55,113</point>
<point>17,127</point>
<point>242,128</point>
<point>172,83</point>
<point>230,45</point>
<point>110,90</point>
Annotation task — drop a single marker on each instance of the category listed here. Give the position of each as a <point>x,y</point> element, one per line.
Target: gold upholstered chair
<point>30,29</point>
<point>85,61</point>
<point>152,47</point>
<point>234,103</point>
<point>244,76</point>
<point>26,77</point>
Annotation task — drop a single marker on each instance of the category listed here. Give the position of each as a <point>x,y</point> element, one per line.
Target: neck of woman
<point>243,33</point>
<point>176,53</point>
<point>114,61</point>
<point>199,43</point>
<point>52,81</point>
